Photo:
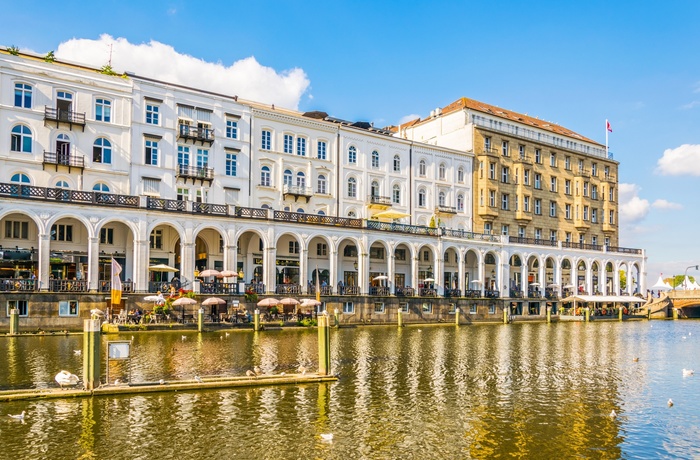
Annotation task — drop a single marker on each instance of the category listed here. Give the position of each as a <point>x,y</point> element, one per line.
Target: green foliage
<point>307,322</point>
<point>274,310</point>
<point>13,50</point>
<point>678,280</point>
<point>623,279</point>
<point>50,57</point>
<point>108,70</point>
<point>251,296</point>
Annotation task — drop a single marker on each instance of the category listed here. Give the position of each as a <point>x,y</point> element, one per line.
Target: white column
<point>187,265</point>
<point>44,261</point>
<point>542,277</point>
<point>333,270</point>
<point>363,273</point>
<point>140,264</point>
<point>414,272</point>
<point>305,271</point>
<point>391,267</point>
<point>461,258</point>
<point>524,274</point>
<point>93,263</point>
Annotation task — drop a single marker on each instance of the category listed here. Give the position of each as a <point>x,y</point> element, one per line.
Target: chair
<point>122,318</point>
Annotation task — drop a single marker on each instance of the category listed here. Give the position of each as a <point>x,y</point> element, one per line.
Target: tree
<point>623,280</point>
<point>677,280</point>
<point>50,57</point>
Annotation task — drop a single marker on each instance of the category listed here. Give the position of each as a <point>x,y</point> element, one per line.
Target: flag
<point>607,126</point>
<point>318,287</point>
<point>116,284</point>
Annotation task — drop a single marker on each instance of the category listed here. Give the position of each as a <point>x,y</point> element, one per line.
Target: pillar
<point>93,273</point>
<point>456,316</point>
<point>44,262</point>
<point>400,317</point>
<point>336,320</point>
<point>505,315</point>
<point>14,321</point>
<point>91,353</point>
<point>256,320</point>
<point>588,314</point>
<point>200,320</point>
<point>619,312</point>
<point>324,344</point>
<point>675,314</point>
<point>549,314</point>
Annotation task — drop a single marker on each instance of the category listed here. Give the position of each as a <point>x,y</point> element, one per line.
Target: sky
<point>572,63</point>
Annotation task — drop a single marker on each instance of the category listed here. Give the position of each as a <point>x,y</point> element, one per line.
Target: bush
<point>307,322</point>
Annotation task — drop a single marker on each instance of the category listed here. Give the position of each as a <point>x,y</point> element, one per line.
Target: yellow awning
<point>390,214</point>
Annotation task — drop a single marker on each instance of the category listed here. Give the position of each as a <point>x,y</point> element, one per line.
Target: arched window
<point>62,184</point>
<point>101,187</point>
<point>441,171</point>
<point>321,212</point>
<point>441,198</point>
<point>287,208</point>
<point>460,174</point>
<point>421,198</point>
<point>300,210</point>
<point>20,178</point>
<point>460,203</point>
<point>352,214</point>
<point>375,159</point>
<point>21,139</point>
<point>396,194</point>
<point>102,151</point>
<point>23,95</point>
<point>287,177</point>
<point>266,206</point>
<point>301,179</point>
<point>421,168</point>
<point>352,188</point>
<point>265,176</point>
<point>352,154</point>
<point>375,189</point>
<point>322,184</point>
<point>397,163</point>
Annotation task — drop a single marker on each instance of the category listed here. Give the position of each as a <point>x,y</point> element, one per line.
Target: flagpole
<point>607,155</point>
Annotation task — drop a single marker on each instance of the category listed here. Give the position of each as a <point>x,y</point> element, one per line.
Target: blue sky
<point>573,63</point>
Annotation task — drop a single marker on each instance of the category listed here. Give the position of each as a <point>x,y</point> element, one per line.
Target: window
<point>487,228</point>
<point>20,178</point>
<point>266,140</point>
<point>568,237</point>
<point>441,198</point>
<point>521,151</point>
<point>106,236</point>
<point>18,230</point>
<point>301,179</point>
<point>62,184</point>
<point>505,172</point>
<point>504,201</point>
<point>61,232</point>
<point>375,159</point>
<point>231,164</point>
<point>321,249</point>
<point>288,143</point>
<point>611,193</point>
<point>151,153</point>
<point>265,176</point>
<point>427,307</point>
<point>594,215</point>
<point>585,189</point>
<point>567,187</point>
<point>397,163</point>
<point>287,178</point>
<point>594,240</point>
<point>352,188</point>
<point>202,158</point>
<point>594,192</point>
<point>521,232</point>
<point>553,236</point>
<point>321,184</point>
<point>538,206</point>
<point>21,139</point>
<point>581,238</point>
<point>152,114</point>
<point>538,181</point>
<point>606,171</point>
<point>103,110</point>
<point>379,307</point>
<point>487,144</point>
<point>348,307</point>
<point>321,150</point>
<point>607,241</point>
<point>526,203</point>
<point>552,209</point>
<point>421,168</point>
<point>102,151</point>
<point>100,187</point>
<point>504,148</point>
<point>20,305</point>
<point>553,184</point>
<point>183,155</point>
<point>553,159</point>
<point>460,174</point>
<point>294,247</point>
<point>183,194</point>
<point>232,128</point>
<point>538,156</point>
<point>441,171</point>
<point>526,177</point>
<point>567,163</point>
<point>585,213</point>
<point>594,169</point>
<point>492,198</point>
<point>612,217</point>
<point>538,233</point>
<point>492,170</point>
<point>396,194</point>
<point>301,146</point>
<point>352,154</point>
<point>504,230</point>
<point>151,186</point>
<point>156,240</point>
<point>23,95</point>
<point>422,201</point>
<point>567,211</point>
<point>460,203</point>
<point>68,308</point>
<point>403,307</point>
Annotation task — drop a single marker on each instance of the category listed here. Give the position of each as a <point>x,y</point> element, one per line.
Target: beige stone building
<point>533,180</point>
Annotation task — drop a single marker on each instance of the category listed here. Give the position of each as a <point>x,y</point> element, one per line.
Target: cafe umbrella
<point>184,301</point>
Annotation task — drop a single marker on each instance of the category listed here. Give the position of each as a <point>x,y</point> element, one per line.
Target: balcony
<point>524,159</point>
<point>584,246</point>
<point>165,205</point>
<point>304,218</point>
<point>378,202</point>
<point>522,216</point>
<point>401,228</point>
<point>63,159</point>
<point>608,227</point>
<point>487,212</point>
<point>297,191</point>
<point>581,225</point>
<point>583,172</point>
<point>487,150</point>
<point>195,134</point>
<point>609,178</point>
<point>195,173</point>
<point>624,250</point>
<point>445,210</point>
<point>64,116</point>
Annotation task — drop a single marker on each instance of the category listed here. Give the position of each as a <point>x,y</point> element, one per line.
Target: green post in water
<point>400,317</point>
<point>619,313</point>
<point>91,353</point>
<point>256,320</point>
<point>588,314</point>
<point>456,316</point>
<point>336,318</point>
<point>324,344</point>
<point>200,320</point>
<point>675,313</point>
<point>14,321</point>
<point>549,314</point>
<point>505,315</point>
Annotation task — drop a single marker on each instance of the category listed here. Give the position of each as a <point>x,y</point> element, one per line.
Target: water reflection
<point>524,390</point>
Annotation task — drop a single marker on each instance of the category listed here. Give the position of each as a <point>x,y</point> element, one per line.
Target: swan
<point>327,436</point>
<point>77,352</point>
<point>18,416</point>
<point>184,337</point>
<point>670,402</point>
<point>65,378</point>
<point>198,379</point>
<point>613,414</point>
<point>96,313</point>
<point>302,370</point>
<point>688,372</point>
<point>161,382</point>
<point>250,373</point>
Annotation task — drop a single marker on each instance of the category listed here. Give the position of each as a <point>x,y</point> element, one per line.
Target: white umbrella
<point>429,280</point>
<point>213,301</point>
<point>477,282</point>
<point>228,274</point>
<point>553,285</point>
<point>209,272</point>
<point>289,301</point>
<point>535,284</point>
<point>309,303</point>
<point>156,299</point>
<point>269,302</point>
<point>381,277</point>
<point>162,268</point>
<point>184,301</point>
<point>569,286</point>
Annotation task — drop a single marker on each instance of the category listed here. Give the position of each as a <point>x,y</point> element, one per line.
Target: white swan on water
<point>18,416</point>
<point>66,379</point>
<point>688,372</point>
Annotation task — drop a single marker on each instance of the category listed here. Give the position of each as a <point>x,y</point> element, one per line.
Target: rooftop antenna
<point>110,55</point>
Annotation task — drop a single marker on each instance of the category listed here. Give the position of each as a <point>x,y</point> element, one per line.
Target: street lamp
<point>685,275</point>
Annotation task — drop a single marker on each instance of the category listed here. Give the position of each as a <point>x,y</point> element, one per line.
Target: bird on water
<point>18,416</point>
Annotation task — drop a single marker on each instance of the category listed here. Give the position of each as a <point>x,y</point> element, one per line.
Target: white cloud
<point>665,204</point>
<point>408,118</point>
<point>632,208</point>
<point>681,161</point>
<point>690,105</point>
<point>245,78</point>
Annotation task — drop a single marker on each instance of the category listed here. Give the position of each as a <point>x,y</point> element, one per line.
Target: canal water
<point>483,391</point>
